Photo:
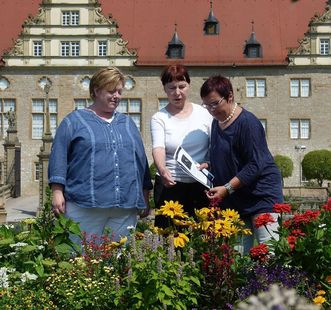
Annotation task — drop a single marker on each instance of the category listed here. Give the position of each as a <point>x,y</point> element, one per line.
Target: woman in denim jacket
<point>98,170</point>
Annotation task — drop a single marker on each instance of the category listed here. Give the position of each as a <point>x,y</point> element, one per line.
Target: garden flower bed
<point>193,264</point>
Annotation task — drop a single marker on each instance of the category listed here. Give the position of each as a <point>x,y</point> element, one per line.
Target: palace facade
<point>276,53</point>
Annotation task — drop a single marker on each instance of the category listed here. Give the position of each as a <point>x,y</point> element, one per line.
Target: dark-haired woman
<point>246,176</point>
<point>184,123</point>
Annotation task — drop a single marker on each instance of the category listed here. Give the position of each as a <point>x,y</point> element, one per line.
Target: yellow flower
<point>232,215</point>
<point>180,240</point>
<point>319,300</point>
<point>29,221</point>
<point>320,292</point>
<point>223,228</point>
<point>203,213</point>
<point>121,242</point>
<point>205,225</point>
<point>246,231</point>
<point>183,222</point>
<point>172,209</point>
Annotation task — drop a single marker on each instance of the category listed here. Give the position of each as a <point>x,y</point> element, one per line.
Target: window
<point>163,102</point>
<point>37,48</point>
<point>255,88</point>
<point>300,128</point>
<point>70,49</point>
<point>38,117</point>
<point>300,88</point>
<point>324,46</point>
<point>36,172</point>
<point>82,103</point>
<point>70,18</point>
<point>264,124</point>
<point>102,48</point>
<point>131,107</point>
<point>6,106</point>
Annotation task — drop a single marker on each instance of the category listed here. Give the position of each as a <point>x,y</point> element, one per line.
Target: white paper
<point>189,166</point>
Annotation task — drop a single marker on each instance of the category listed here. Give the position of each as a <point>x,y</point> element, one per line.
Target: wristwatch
<point>229,188</point>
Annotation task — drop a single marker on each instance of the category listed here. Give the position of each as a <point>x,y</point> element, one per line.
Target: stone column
<point>11,146</point>
<point>45,151</point>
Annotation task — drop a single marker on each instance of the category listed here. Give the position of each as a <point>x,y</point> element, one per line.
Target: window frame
<point>37,48</point>
<point>36,171</point>
<point>70,48</point>
<point>300,87</point>
<point>87,102</point>
<point>256,88</point>
<point>300,128</point>
<point>324,46</point>
<point>70,18</point>
<point>163,105</point>
<point>102,49</point>
<point>132,113</point>
<point>53,115</point>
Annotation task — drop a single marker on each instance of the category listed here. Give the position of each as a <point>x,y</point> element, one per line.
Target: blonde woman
<point>98,169</point>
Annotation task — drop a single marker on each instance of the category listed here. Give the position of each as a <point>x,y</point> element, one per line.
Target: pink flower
<point>282,208</point>
<point>264,220</point>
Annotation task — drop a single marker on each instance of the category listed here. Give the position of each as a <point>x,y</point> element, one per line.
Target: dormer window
<point>211,26</point>
<point>253,48</point>
<point>176,47</point>
<point>70,18</point>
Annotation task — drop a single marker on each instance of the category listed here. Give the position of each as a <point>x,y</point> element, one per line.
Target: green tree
<point>317,165</point>
<point>285,165</point>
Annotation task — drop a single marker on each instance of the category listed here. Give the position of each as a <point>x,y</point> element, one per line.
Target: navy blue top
<point>100,164</point>
<point>241,150</point>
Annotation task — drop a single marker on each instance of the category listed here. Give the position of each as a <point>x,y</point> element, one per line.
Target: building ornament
<point>102,19</point>
<point>303,49</point>
<point>124,51</point>
<point>38,19</point>
<point>324,18</point>
<point>17,50</point>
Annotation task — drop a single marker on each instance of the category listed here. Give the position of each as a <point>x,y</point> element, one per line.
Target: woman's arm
<point>58,201</point>
<point>159,160</point>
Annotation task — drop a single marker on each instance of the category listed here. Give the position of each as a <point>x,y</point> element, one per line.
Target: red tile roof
<point>148,25</point>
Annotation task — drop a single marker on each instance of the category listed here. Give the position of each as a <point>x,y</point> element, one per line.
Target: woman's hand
<point>218,192</point>
<point>58,201</point>
<point>167,178</point>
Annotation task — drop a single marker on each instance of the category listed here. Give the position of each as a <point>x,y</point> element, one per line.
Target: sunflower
<point>180,240</point>
<point>203,213</point>
<point>223,228</point>
<point>232,215</point>
<point>183,223</point>
<point>172,210</point>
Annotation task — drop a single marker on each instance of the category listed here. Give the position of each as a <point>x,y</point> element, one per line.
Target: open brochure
<point>189,166</point>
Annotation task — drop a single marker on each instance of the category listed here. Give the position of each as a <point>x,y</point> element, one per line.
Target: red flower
<point>291,241</point>
<point>297,233</point>
<point>263,220</point>
<point>282,208</point>
<point>259,252</point>
<point>327,206</point>
<point>300,220</point>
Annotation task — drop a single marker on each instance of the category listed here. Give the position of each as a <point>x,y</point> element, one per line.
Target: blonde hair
<point>108,78</point>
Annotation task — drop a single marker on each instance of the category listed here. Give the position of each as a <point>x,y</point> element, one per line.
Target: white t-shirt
<point>192,133</point>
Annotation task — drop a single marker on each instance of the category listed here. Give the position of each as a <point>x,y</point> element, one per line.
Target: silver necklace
<point>231,114</point>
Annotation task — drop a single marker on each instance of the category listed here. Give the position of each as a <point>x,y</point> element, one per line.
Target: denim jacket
<point>100,164</point>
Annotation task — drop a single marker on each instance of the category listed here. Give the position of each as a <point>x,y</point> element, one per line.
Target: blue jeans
<point>96,220</point>
<point>261,234</point>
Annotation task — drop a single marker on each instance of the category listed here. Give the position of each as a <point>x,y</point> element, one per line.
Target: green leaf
<point>167,291</point>
<point>29,248</point>
<point>63,248</point>
<point>65,265</point>
<point>7,241</point>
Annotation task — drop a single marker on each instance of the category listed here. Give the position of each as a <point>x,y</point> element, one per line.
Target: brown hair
<point>219,84</point>
<point>176,72</point>
<point>106,78</point>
